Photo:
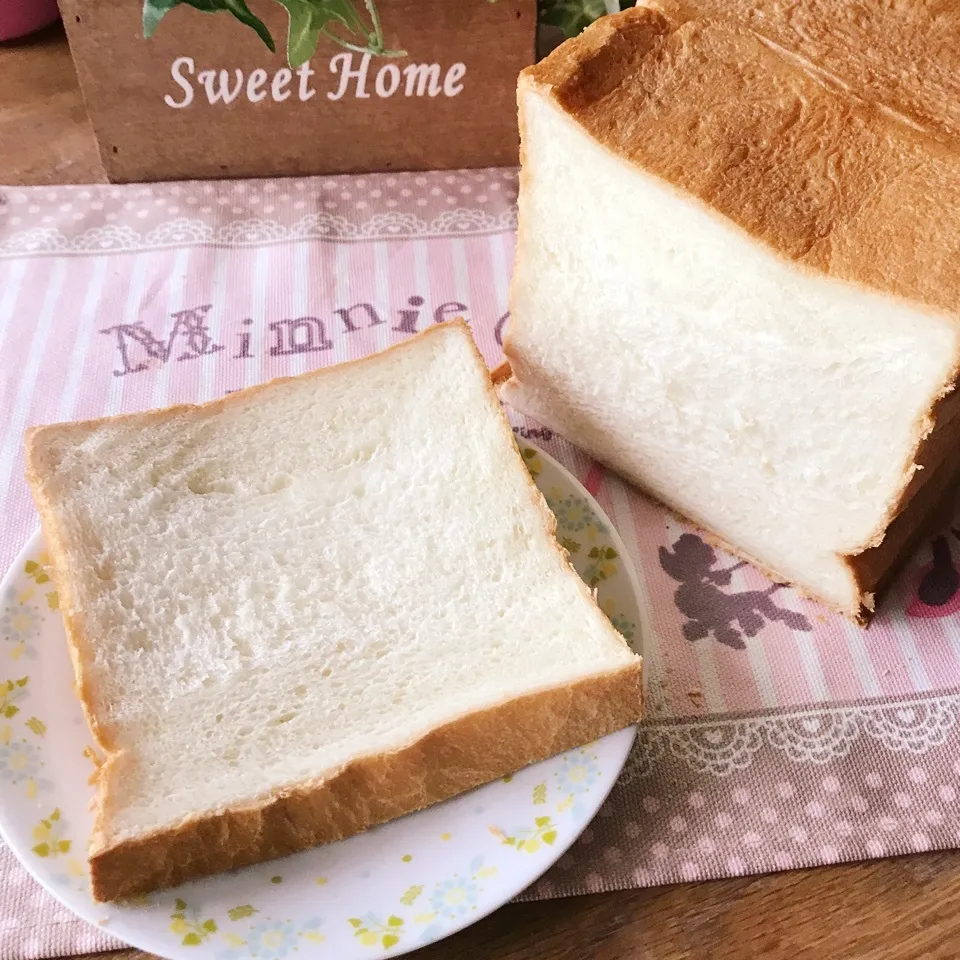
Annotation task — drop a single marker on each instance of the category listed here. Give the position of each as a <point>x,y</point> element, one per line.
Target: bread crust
<point>459,756</point>
<point>860,49</point>
<point>464,753</point>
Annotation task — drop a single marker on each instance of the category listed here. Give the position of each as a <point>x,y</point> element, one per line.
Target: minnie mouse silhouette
<point>938,589</point>
<point>710,610</point>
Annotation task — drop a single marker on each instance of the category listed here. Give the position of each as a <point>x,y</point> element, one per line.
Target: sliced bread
<point>311,607</point>
<point>738,285</point>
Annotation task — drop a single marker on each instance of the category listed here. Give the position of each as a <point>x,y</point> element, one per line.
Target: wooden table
<point>892,909</point>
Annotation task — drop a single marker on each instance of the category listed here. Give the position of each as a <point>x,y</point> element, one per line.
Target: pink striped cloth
<point>778,736</point>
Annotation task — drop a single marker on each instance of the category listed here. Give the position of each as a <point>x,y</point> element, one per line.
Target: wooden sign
<point>220,89</point>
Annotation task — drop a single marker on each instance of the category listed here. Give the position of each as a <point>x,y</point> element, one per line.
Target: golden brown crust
<point>466,753</point>
<point>500,373</point>
<point>874,569</point>
<point>822,179</point>
<point>903,57</point>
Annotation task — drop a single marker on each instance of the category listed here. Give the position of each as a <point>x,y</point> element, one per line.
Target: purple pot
<point>20,17</point>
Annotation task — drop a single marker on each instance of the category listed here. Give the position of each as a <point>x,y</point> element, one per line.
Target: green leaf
<point>55,815</point>
<point>238,913</point>
<point>339,21</point>
<point>180,904</point>
<point>191,940</point>
<point>276,879</point>
<point>611,553</point>
<point>210,926</point>
<point>10,711</point>
<point>354,922</point>
<point>63,846</point>
<point>389,940</point>
<point>571,15</point>
<point>410,896</point>
<point>178,916</point>
<point>30,566</point>
<point>303,32</point>
<point>23,681</point>
<point>42,578</point>
<point>393,921</point>
<point>42,849</point>
<point>571,546</point>
<point>511,841</point>
<point>549,837</point>
<point>542,821</point>
<point>540,793</point>
<point>155,10</point>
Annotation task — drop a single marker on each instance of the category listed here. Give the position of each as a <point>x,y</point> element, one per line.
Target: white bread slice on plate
<point>739,287</point>
<point>313,606</point>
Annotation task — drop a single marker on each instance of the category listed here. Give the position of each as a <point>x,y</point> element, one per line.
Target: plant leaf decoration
<point>339,20</point>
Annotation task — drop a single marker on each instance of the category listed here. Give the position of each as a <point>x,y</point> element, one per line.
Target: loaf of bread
<point>314,606</point>
<point>738,283</point>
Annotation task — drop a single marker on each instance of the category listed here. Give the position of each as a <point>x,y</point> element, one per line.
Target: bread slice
<point>313,606</point>
<point>739,286</point>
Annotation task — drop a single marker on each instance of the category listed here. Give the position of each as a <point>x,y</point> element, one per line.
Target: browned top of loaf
<point>822,177</point>
<point>903,55</point>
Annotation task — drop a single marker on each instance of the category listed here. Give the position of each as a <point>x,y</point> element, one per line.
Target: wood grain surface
<point>903,909</point>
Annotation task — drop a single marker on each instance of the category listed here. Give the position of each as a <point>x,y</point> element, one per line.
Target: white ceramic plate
<point>380,894</point>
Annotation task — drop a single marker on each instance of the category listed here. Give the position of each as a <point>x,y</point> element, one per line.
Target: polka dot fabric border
<point>65,220</point>
<point>704,800</point>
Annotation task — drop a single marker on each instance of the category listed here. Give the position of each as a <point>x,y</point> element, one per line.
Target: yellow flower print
<point>187,924</point>
<point>49,836</point>
<point>193,930</point>
<point>238,913</point>
<point>36,570</point>
<point>529,840</point>
<point>10,692</point>
<point>601,566</point>
<point>410,896</point>
<point>532,460</point>
<point>370,931</point>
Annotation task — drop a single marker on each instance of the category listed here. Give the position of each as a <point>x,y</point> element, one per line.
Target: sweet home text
<point>349,76</point>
